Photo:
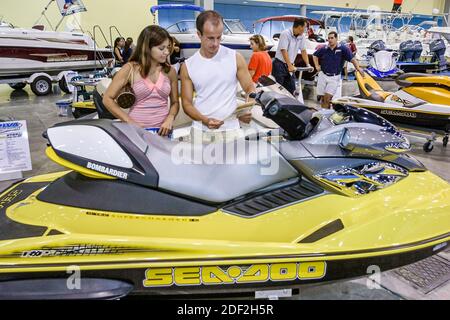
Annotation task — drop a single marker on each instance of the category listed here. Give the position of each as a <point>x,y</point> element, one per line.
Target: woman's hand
<point>167,126</point>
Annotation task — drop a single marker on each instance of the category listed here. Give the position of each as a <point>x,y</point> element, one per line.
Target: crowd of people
<point>214,73</point>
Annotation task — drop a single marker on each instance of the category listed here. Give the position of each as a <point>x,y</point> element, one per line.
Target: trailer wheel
<point>63,85</point>
<point>428,147</point>
<point>41,86</point>
<point>18,86</point>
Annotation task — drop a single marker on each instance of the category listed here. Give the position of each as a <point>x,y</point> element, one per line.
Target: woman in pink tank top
<point>155,83</point>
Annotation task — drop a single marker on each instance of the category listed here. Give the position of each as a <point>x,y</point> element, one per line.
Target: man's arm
<point>305,57</point>
<point>357,67</point>
<point>291,67</point>
<point>243,75</point>
<point>316,63</point>
<point>355,63</point>
<point>283,45</point>
<point>187,101</point>
<point>246,82</point>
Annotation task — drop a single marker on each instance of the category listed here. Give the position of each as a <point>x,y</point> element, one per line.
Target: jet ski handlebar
<point>305,69</point>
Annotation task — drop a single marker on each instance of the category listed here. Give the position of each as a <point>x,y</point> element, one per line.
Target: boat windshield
<point>4,24</point>
<point>185,26</point>
<point>234,26</point>
<point>271,28</point>
<point>189,26</point>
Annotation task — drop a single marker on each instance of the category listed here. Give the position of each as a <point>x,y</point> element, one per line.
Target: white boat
<point>24,52</point>
<point>27,51</point>
<point>235,35</point>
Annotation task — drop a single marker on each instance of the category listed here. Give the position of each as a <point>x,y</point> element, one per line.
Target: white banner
<point>14,147</point>
<point>68,7</point>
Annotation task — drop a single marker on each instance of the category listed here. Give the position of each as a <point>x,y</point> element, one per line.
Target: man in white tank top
<point>214,72</point>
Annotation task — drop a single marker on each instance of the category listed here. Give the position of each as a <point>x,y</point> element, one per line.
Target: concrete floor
<point>41,113</point>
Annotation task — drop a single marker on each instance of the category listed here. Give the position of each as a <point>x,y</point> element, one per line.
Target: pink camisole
<point>152,101</point>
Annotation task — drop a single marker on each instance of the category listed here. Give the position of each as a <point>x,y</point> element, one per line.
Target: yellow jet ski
<point>139,214</point>
<point>422,102</point>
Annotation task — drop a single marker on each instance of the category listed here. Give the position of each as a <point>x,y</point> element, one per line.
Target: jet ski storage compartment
<point>104,146</point>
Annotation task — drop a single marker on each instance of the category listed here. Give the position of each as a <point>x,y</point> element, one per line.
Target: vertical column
<point>208,4</point>
<point>447,13</point>
<point>303,10</point>
<point>197,3</point>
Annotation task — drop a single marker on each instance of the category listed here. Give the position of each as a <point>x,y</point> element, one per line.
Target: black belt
<point>331,74</point>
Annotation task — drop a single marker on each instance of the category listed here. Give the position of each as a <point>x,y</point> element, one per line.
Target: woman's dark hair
<point>299,22</point>
<point>209,15</point>
<point>116,42</point>
<point>350,38</point>
<point>128,44</point>
<point>259,40</point>
<point>150,37</point>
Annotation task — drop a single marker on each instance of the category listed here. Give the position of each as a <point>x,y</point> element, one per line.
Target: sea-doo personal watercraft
<point>140,214</point>
<point>422,101</point>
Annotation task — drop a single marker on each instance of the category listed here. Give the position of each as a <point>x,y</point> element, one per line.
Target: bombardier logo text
<point>108,171</point>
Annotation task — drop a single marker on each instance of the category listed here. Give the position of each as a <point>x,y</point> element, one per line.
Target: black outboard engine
<point>418,48</point>
<point>407,51</point>
<point>378,45</point>
<point>292,116</point>
<point>437,49</point>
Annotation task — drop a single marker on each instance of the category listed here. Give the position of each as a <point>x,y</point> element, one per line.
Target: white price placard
<point>14,147</point>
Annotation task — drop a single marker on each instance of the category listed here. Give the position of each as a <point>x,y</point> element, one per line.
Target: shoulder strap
<point>130,79</point>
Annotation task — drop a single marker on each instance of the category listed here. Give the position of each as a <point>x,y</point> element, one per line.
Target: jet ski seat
<point>370,89</point>
<point>410,79</point>
<point>212,173</point>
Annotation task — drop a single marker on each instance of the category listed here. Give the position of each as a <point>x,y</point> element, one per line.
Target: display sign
<point>68,7</point>
<point>14,147</point>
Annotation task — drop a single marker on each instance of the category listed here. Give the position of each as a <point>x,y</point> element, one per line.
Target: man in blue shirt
<point>329,61</point>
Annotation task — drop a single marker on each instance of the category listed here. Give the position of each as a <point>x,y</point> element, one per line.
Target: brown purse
<point>127,98</point>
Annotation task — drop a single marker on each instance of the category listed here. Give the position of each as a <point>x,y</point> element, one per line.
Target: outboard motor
<point>418,48</point>
<point>377,46</point>
<point>407,51</point>
<point>437,49</point>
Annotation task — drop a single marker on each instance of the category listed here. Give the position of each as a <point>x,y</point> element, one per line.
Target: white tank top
<point>215,82</point>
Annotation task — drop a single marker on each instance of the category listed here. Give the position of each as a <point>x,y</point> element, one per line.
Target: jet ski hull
<point>327,238</point>
<point>402,115</point>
